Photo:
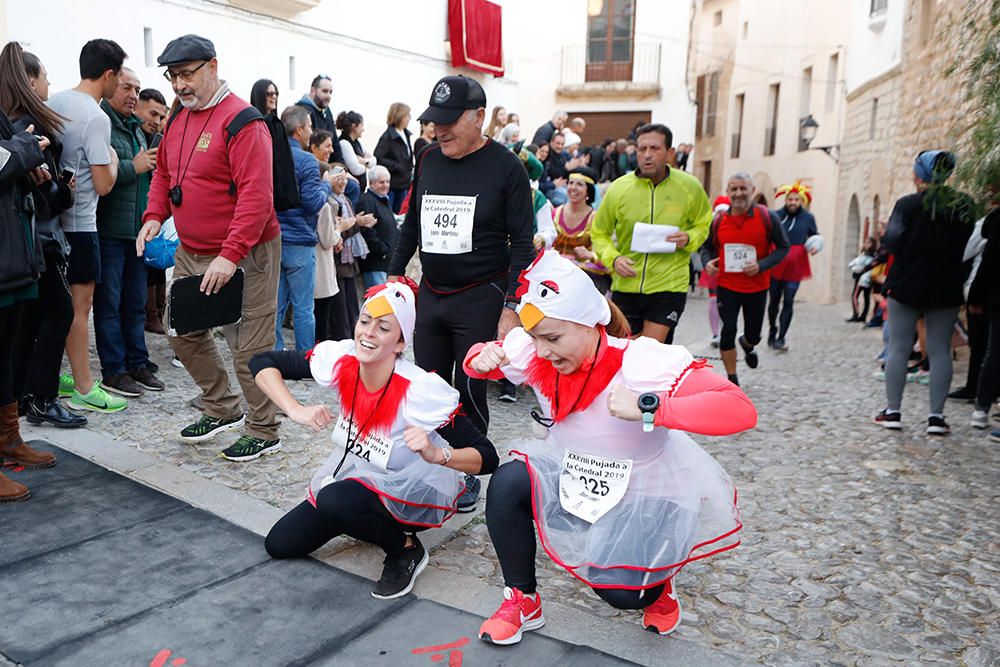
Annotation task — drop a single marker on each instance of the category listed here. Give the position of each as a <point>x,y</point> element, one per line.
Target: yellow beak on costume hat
<point>379,306</point>
<point>530,316</point>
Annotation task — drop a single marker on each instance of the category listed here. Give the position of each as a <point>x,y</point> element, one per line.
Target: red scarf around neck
<point>371,411</point>
<point>575,391</point>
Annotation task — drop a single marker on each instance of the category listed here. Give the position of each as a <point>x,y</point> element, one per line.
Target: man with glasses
<point>213,175</point>
<point>317,103</point>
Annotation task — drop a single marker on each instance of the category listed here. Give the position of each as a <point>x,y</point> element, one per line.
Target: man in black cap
<point>471,215</point>
<point>213,175</point>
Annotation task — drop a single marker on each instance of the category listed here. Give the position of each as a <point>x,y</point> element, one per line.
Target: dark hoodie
<point>323,120</point>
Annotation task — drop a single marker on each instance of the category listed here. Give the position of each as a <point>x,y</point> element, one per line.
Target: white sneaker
<point>979,419</point>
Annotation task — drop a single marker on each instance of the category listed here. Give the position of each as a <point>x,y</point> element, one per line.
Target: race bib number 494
<point>375,448</point>
<point>446,223</point>
<point>590,486</point>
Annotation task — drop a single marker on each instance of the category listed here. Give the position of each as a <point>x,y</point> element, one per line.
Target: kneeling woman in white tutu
<point>400,452</point>
<point>622,498</point>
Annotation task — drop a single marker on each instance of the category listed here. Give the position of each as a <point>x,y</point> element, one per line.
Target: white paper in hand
<point>653,238</point>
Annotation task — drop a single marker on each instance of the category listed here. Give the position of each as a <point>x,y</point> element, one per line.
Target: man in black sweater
<point>471,216</point>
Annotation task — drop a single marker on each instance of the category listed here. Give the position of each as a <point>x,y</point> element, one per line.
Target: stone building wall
<point>934,110</point>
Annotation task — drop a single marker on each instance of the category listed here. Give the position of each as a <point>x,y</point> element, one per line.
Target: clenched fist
<point>490,358</point>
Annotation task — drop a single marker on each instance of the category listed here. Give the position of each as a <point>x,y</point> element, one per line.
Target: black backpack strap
<point>173,115</point>
<point>239,121</point>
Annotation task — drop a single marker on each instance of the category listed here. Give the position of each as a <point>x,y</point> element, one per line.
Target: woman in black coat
<point>264,96</point>
<point>984,298</point>
<point>395,152</point>
<point>45,321</point>
<point>381,238</point>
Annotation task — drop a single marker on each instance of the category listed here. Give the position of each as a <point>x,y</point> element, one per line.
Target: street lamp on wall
<point>807,132</point>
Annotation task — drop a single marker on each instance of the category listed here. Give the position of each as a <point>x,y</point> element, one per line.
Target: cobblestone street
<point>861,546</point>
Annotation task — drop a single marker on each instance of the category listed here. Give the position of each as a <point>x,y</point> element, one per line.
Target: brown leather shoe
<point>11,491</point>
<point>13,448</point>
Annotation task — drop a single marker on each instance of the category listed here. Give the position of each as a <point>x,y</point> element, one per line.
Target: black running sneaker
<point>468,500</point>
<point>887,420</point>
<point>122,384</point>
<point>508,391</point>
<point>248,448</point>
<point>208,427</point>
<point>937,426</point>
<point>400,572</point>
<point>750,356</point>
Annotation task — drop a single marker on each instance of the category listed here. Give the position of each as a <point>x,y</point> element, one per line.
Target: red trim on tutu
<point>794,267</point>
<point>675,567</point>
<point>383,495</point>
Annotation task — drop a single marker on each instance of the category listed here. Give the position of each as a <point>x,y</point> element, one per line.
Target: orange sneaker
<point>518,613</point>
<point>664,615</point>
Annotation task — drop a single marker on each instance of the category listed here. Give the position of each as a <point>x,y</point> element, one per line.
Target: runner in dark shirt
<point>471,216</point>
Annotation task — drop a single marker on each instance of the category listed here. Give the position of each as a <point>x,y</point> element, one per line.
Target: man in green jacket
<point>650,275</point>
<point>120,298</point>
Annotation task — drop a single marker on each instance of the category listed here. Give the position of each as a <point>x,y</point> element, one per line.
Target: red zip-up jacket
<point>194,154</point>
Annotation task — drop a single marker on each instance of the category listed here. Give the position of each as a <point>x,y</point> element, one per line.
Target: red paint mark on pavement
<point>454,655</point>
<point>161,659</point>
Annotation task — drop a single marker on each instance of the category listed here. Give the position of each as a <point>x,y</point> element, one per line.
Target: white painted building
<point>382,51</point>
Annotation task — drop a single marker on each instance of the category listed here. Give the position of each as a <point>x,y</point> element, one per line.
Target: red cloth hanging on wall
<point>474,28</point>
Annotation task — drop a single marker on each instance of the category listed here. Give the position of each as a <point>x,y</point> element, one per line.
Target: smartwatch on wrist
<point>649,403</point>
<point>511,305</point>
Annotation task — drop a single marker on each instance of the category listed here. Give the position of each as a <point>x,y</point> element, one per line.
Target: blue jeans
<point>120,308</point>
<point>373,278</point>
<point>396,198</point>
<point>296,284</point>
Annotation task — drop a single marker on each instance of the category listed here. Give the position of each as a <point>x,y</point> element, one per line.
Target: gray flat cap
<point>185,49</point>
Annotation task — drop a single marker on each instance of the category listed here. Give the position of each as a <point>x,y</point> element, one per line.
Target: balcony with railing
<point>635,74</point>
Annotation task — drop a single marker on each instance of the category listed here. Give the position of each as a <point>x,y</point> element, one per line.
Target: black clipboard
<point>191,310</point>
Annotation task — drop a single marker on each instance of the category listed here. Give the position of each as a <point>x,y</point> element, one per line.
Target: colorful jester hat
<point>399,299</point>
<point>555,287</point>
<point>799,188</point>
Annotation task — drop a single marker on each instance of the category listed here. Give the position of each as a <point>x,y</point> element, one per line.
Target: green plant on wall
<point>979,163</point>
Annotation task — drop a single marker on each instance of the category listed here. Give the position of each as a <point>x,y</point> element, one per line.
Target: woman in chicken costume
<point>401,450</point>
<point>622,498</point>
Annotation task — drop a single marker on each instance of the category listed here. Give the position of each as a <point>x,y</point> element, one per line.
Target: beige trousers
<point>254,333</point>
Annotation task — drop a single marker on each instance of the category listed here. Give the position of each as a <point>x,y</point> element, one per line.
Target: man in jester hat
<point>800,227</point>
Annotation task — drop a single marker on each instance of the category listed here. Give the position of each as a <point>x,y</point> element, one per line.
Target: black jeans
<point>9,318</point>
<point>447,326</point>
<point>344,310</point>
<point>781,290</point>
<point>989,375</point>
<point>342,508</point>
<point>509,517</point>
<point>323,310</point>
<point>730,304</point>
<point>41,336</point>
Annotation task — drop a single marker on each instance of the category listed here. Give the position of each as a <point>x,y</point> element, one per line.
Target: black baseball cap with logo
<point>451,96</point>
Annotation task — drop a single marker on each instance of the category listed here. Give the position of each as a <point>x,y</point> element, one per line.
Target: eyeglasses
<point>184,75</point>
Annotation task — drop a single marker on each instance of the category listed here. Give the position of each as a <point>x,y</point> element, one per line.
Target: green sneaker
<point>97,400</point>
<point>248,448</point>
<point>209,427</point>
<point>66,385</point>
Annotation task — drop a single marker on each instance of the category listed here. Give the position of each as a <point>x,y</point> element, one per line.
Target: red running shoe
<point>664,615</point>
<point>518,613</point>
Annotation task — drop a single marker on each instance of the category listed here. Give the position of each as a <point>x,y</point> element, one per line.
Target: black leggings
<point>509,517</point>
<point>41,336</point>
<point>342,508</point>
<point>323,310</point>
<point>447,326</point>
<point>989,375</point>
<point>9,318</point>
<point>781,289</point>
<point>730,303</point>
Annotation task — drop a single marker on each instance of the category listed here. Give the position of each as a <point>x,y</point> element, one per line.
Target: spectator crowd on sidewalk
<point>557,259</point>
